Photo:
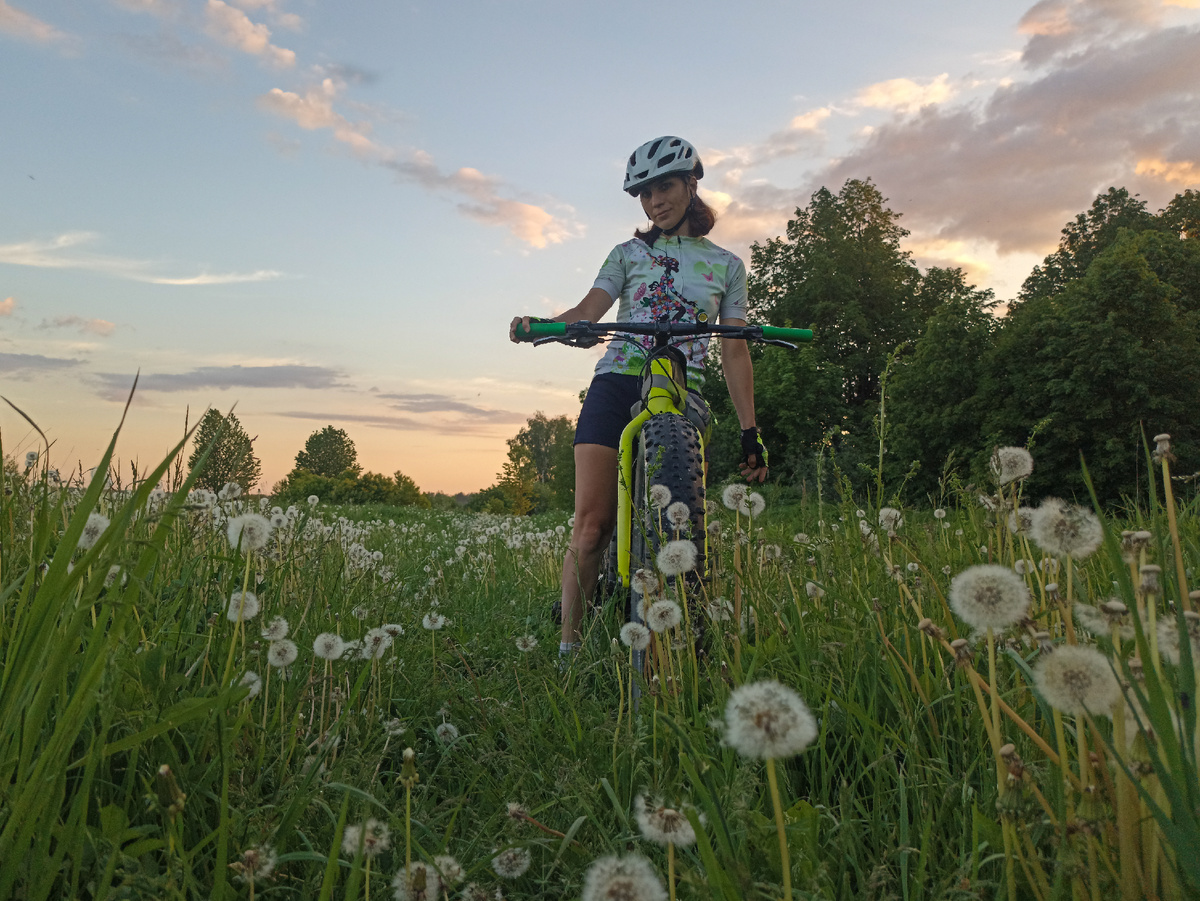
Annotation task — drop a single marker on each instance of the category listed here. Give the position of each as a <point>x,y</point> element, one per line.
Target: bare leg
<point>595,516</point>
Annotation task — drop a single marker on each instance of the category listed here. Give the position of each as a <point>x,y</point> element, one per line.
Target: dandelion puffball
<point>890,519</point>
<point>660,496</point>
<point>1065,530</point>
<point>92,530</point>
<point>989,596</point>
<point>663,615</point>
<point>446,732</point>
<point>276,629</point>
<point>635,636</point>
<point>250,531</point>
<point>329,646</point>
<point>282,653</point>
<point>242,606</point>
<point>677,557</point>
<point>511,863</point>
<point>526,643</point>
<point>1011,464</point>
<point>629,878</point>
<point>756,503</point>
<point>678,514</point>
<point>766,719</point>
<point>1076,679</point>
<point>252,681</point>
<point>419,882</point>
<point>663,825</point>
<point>734,497</point>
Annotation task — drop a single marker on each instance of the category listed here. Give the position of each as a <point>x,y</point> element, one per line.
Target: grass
<point>133,766</point>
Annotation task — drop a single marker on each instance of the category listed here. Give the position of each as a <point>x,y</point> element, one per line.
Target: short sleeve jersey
<point>674,280</point>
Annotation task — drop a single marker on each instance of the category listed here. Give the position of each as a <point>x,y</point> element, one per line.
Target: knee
<point>592,532</point>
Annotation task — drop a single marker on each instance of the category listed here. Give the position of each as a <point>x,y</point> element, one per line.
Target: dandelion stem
<point>1180,570</point>
<point>784,859</point>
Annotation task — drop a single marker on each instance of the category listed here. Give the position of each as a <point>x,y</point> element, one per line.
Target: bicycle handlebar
<point>767,334</point>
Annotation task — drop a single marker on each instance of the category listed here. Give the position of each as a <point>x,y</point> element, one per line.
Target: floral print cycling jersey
<point>674,280</point>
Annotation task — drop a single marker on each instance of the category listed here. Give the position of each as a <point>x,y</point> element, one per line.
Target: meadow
<point>206,696</point>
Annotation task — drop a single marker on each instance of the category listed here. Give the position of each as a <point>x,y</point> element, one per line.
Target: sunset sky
<point>327,213</point>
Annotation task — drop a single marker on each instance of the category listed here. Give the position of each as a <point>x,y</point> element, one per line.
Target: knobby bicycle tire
<point>671,456</point>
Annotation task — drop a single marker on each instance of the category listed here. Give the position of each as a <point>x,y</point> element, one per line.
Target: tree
<point>1084,238</point>
<point>232,456</point>
<point>934,410</point>
<point>328,452</point>
<point>540,472</point>
<point>842,271</point>
<point>1113,354</point>
<point>405,492</point>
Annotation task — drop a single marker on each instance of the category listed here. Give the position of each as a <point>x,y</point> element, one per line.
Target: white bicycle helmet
<point>662,156</point>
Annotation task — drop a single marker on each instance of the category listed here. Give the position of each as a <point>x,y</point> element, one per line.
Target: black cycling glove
<point>752,445</point>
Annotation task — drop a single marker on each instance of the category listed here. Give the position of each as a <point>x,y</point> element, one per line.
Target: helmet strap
<point>674,228</point>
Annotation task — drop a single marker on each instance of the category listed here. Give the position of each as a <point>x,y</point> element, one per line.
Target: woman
<point>670,271</point>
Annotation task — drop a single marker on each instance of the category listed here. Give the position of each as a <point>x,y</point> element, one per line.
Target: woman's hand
<point>522,321</point>
<point>754,459</point>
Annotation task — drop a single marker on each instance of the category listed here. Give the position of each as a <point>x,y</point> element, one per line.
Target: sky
<point>320,213</point>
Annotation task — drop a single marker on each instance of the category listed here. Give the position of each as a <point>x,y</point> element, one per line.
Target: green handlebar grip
<point>787,334</point>
<point>542,330</point>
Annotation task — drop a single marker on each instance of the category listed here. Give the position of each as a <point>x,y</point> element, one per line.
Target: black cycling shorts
<point>606,409</point>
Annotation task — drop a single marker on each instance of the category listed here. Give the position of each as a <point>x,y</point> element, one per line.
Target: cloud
<point>905,95</point>
<point>408,423</point>
<point>1056,27</point>
<point>101,327</point>
<point>26,364</point>
<point>314,110</point>
<point>62,252</point>
<point>1000,172</point>
<point>482,197</point>
<point>233,27</point>
<point>7,306</point>
<point>225,377</point>
<point>483,201</point>
<point>1184,172</point>
<point>21,24</point>
<point>443,403</point>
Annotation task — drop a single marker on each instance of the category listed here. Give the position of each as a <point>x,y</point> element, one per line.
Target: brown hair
<point>701,219</point>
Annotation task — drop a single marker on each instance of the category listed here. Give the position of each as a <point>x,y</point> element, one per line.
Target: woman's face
<point>666,200</point>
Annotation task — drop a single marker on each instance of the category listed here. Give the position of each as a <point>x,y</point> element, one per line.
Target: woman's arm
<point>739,376</point>
<point>592,308</point>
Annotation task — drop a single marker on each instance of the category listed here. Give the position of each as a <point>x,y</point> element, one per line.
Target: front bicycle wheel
<point>671,457</point>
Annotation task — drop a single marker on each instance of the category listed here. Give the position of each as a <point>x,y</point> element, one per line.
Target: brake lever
<point>777,343</point>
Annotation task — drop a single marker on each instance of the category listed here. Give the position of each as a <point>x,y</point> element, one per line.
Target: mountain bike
<point>664,444</point>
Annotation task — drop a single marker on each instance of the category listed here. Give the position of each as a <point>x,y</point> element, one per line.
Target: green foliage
<point>539,473</point>
<point>1114,354</point>
<point>328,452</point>
<point>351,487</point>
<point>232,457</point>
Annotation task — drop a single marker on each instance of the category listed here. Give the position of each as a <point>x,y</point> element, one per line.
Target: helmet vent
<point>653,149</point>
<point>665,161</point>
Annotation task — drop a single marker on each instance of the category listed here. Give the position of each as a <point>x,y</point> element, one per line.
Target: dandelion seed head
<point>446,732</point>
<point>677,557</point>
<point>734,497</point>
<point>678,514</point>
<point>433,621</point>
<point>511,863</point>
<point>256,864</point>
<point>282,653</point>
<point>663,615</point>
<point>813,590</point>
<point>644,582</point>
<point>329,646</point>
<point>1077,678</point>
<point>375,644</point>
<point>989,596</point>
<point>635,636</point>
<point>419,883</point>
<point>372,836</point>
<point>766,719</point>
<point>230,491</point>
<point>890,519</point>
<point>452,871</point>
<point>1065,530</point>
<point>1011,464</point>
<point>253,681</point>
<point>756,502</point>
<point>92,530</point>
<point>526,643</point>
<point>939,513</point>
<point>276,629</point>
<point>660,496</point>
<point>242,606</point>
<point>629,878</point>
<point>250,531</point>
<point>1020,521</point>
<point>661,824</point>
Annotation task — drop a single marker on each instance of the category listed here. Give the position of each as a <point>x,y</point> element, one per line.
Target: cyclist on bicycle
<point>669,271</point>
